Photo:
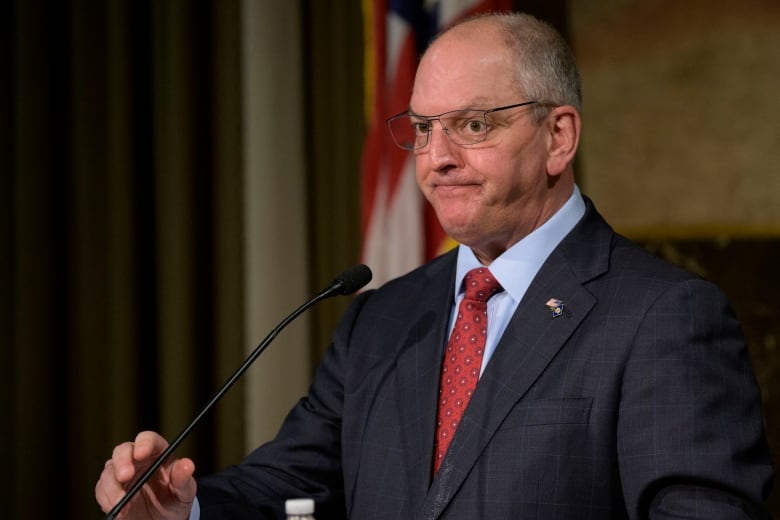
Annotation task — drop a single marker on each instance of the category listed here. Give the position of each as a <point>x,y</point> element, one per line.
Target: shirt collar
<point>518,265</point>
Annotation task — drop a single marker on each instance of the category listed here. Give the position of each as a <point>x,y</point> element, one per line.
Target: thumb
<point>183,484</point>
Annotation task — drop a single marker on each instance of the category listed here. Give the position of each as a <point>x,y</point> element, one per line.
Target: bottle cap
<point>299,506</point>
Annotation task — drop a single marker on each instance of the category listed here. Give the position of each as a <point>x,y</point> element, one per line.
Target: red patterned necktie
<point>463,357</point>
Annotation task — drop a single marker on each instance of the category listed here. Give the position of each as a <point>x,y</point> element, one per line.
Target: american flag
<point>399,228</point>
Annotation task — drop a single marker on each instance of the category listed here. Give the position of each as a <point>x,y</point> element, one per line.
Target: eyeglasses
<point>463,127</point>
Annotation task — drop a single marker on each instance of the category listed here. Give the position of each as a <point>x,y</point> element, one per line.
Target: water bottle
<point>299,509</point>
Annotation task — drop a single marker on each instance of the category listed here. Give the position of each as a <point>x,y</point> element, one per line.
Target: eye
<point>467,122</point>
<point>474,126</point>
<point>421,127</point>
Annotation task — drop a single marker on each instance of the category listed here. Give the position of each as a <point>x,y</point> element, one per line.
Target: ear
<point>564,125</point>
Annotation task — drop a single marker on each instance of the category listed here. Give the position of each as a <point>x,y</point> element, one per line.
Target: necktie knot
<point>480,284</point>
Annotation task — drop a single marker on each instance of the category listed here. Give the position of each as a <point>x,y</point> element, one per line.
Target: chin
<point>454,217</point>
<point>463,234</point>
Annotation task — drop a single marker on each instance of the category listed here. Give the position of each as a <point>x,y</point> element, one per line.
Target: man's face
<point>487,195</point>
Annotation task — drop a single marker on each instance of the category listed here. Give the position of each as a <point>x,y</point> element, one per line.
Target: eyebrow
<point>471,107</point>
<point>473,104</point>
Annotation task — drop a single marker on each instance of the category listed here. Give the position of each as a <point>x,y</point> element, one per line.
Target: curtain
<point>334,128</point>
<point>120,271</point>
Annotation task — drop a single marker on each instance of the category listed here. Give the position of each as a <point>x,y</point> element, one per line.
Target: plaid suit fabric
<point>637,401</point>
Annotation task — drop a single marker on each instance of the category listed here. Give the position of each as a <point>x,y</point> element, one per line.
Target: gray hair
<point>546,69</point>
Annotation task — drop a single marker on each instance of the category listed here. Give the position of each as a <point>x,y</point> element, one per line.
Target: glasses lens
<point>409,132</point>
<point>465,126</point>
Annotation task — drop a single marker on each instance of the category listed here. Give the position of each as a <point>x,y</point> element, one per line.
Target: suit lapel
<point>418,369</point>
<point>532,339</point>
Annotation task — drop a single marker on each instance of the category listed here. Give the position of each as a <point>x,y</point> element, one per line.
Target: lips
<point>455,186</point>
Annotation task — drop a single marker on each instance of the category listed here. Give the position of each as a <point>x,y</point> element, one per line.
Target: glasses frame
<point>430,119</point>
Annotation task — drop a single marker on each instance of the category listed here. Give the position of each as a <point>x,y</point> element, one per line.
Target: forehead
<point>470,67</point>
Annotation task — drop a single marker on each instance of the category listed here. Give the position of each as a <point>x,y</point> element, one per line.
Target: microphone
<point>346,283</point>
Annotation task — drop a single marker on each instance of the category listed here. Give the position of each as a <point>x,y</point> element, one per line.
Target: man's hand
<point>169,493</point>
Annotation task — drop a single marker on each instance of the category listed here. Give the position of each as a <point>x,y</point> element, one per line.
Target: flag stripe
<point>399,229</point>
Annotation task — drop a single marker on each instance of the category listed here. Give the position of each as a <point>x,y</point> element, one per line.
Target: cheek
<point>501,173</point>
<point>421,171</point>
<point>493,161</point>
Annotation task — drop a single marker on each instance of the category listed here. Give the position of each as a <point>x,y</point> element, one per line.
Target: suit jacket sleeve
<point>690,438</point>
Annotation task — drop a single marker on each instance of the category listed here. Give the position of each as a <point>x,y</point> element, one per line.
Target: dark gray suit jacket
<point>638,401</point>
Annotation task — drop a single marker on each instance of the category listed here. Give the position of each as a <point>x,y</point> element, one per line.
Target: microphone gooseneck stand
<point>346,283</point>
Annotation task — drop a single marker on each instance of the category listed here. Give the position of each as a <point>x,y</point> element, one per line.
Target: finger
<point>182,480</point>
<point>108,490</point>
<point>124,462</point>
<point>148,445</point>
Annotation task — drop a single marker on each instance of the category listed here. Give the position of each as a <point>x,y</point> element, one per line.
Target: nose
<point>440,149</point>
<point>442,129</point>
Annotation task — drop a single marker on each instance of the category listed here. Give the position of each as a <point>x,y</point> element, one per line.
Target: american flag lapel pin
<point>556,306</point>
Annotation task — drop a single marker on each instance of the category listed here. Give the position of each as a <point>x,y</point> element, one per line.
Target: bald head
<point>540,63</point>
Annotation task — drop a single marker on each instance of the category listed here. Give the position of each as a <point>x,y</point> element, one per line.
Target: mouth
<point>454,187</point>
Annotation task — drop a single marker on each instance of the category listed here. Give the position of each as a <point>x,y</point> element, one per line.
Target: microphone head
<point>352,279</point>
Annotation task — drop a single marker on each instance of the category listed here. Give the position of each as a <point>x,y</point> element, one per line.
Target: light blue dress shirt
<point>514,270</point>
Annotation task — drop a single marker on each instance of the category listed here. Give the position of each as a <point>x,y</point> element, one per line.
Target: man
<point>611,384</point>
